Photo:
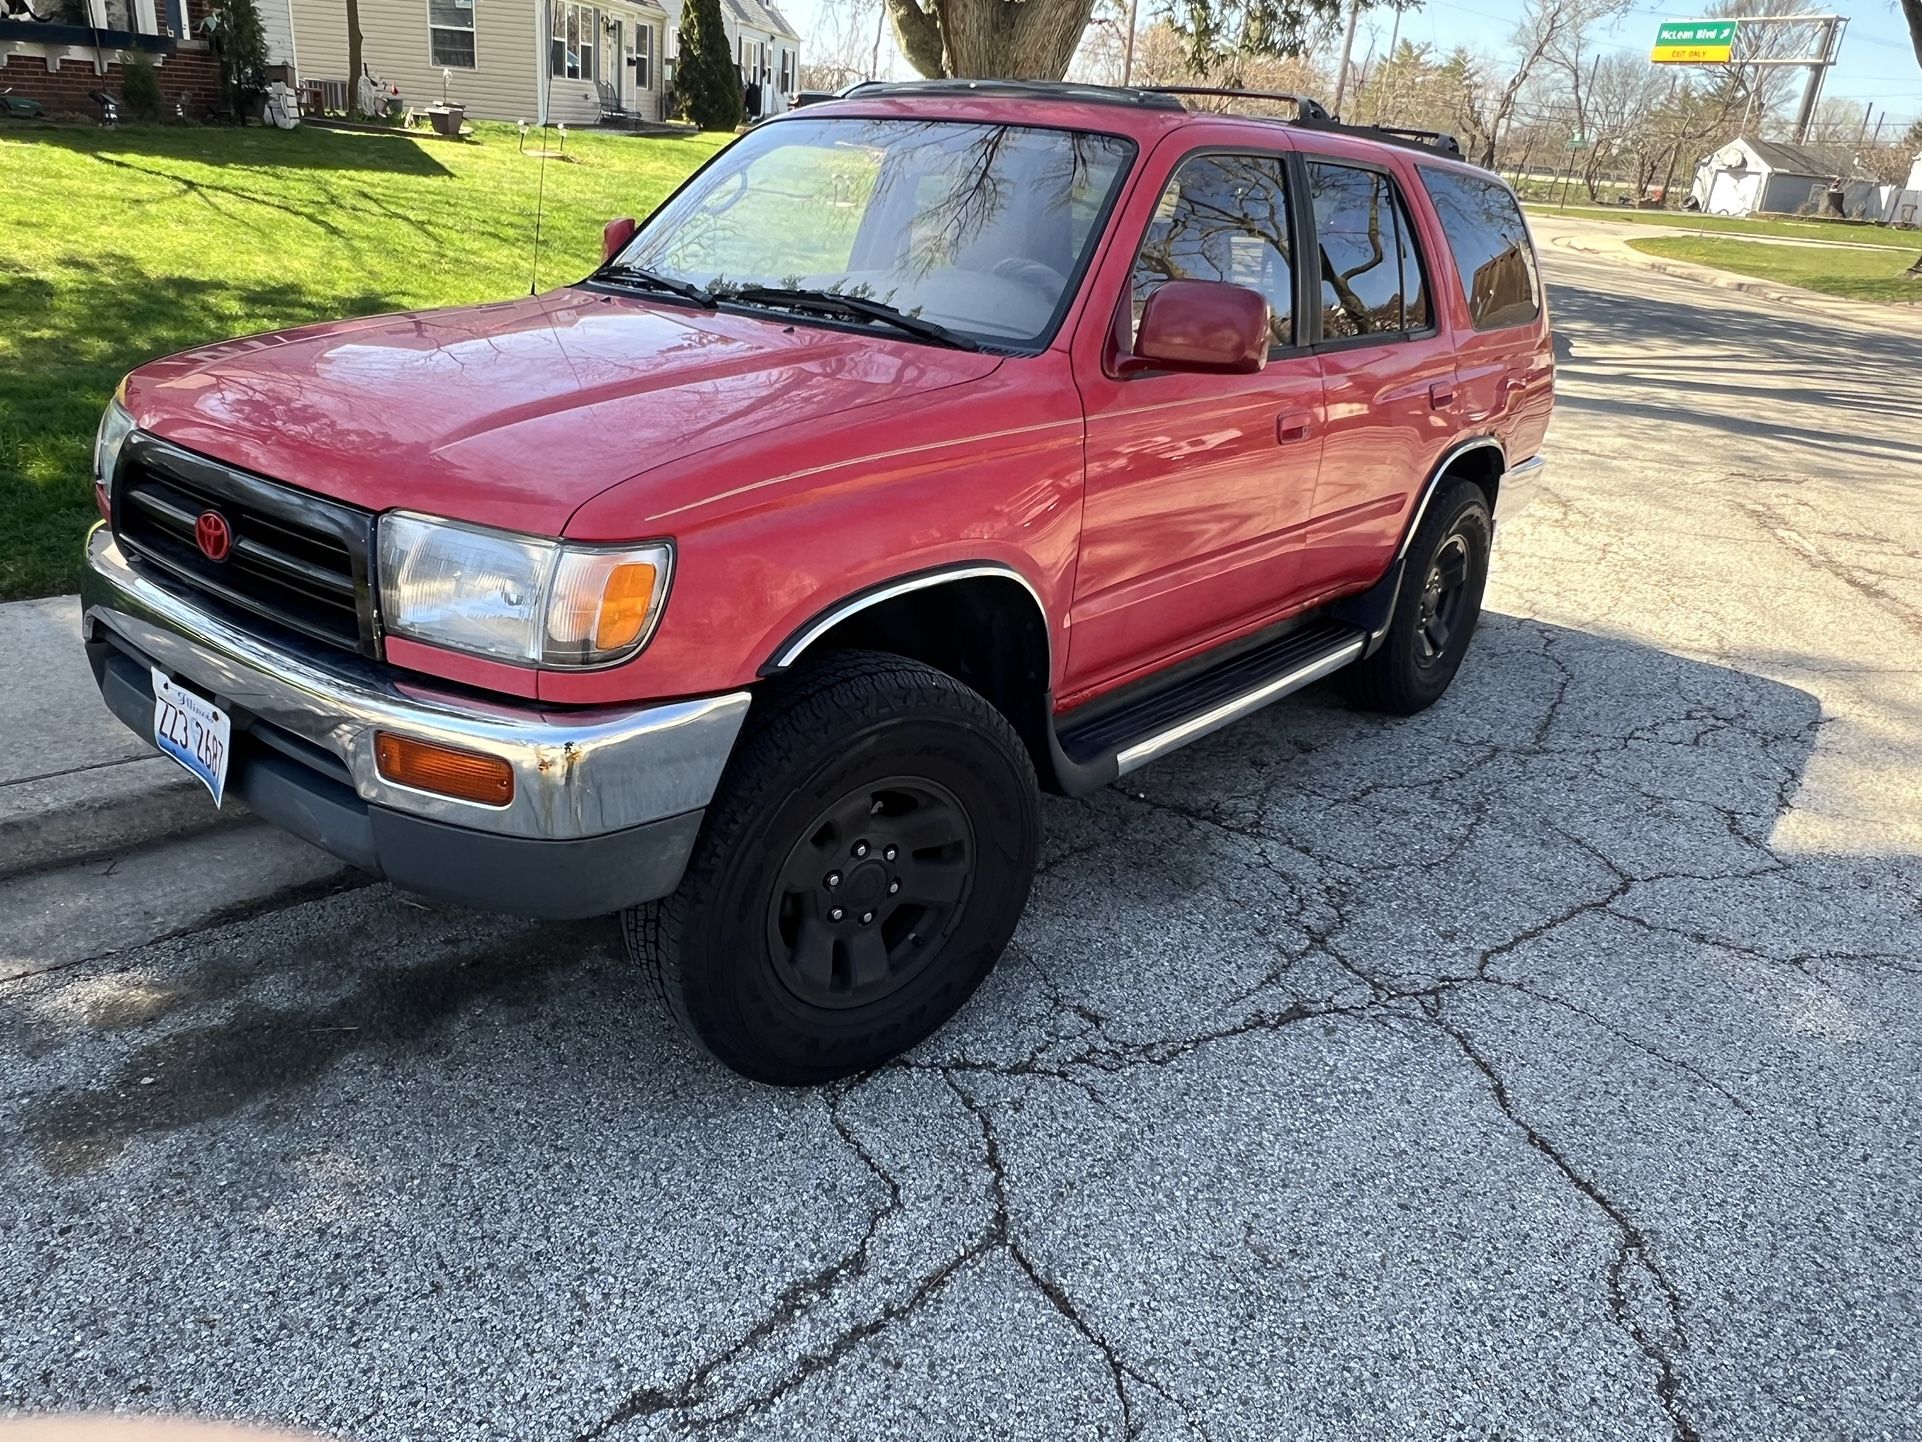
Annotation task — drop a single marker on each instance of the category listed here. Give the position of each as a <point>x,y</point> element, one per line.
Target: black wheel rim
<point>877,882</point>
<point>1444,598</point>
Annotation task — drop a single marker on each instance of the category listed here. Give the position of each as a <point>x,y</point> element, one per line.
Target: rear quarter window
<point>1493,257</point>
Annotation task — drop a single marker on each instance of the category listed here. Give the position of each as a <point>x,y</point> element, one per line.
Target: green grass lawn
<point>120,245</point>
<point>1857,274</point>
<point>1736,225</point>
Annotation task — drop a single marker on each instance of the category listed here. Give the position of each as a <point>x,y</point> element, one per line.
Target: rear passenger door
<point>1388,369</point>
<point>1504,363</point>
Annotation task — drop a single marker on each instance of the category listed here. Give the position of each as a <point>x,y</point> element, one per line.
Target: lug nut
<point>866,917</point>
<point>893,886</point>
<point>833,880</point>
<point>890,853</point>
<point>860,848</point>
<point>836,914</point>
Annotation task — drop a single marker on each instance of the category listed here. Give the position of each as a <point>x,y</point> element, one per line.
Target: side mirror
<point>1203,326</point>
<point>615,235</point>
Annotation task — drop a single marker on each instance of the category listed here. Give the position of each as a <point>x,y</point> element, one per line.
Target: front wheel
<point>1436,609</point>
<point>857,874</point>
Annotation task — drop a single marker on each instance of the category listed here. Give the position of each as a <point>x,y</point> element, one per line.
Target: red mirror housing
<point>615,235</point>
<point>1207,326</point>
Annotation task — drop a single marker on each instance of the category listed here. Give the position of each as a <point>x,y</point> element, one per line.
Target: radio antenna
<point>540,189</point>
<point>540,200</point>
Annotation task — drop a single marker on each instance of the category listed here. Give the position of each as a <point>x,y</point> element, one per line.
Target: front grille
<point>297,560</point>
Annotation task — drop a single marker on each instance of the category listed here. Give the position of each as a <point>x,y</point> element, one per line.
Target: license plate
<point>193,731</point>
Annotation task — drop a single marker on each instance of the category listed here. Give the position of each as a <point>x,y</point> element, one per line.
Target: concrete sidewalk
<point>73,780</point>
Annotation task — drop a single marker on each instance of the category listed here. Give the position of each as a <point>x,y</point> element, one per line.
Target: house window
<point>450,32</point>
<point>787,72</point>
<point>644,57</point>
<point>574,42</point>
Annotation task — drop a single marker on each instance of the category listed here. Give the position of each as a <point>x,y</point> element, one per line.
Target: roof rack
<point>1305,108</point>
<point>1310,114</point>
<point>1032,89</point>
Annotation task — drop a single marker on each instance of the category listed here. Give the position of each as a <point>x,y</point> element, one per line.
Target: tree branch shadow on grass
<point>73,330</point>
<point>305,148</point>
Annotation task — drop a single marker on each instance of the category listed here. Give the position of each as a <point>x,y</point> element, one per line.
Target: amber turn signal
<point>443,770</point>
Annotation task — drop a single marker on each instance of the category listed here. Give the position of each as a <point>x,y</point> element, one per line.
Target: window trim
<point>1323,345</point>
<point>644,55</point>
<point>1297,347</point>
<point>1454,266</point>
<point>473,29</point>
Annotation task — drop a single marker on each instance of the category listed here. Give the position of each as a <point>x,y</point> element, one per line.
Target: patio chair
<point>611,107</point>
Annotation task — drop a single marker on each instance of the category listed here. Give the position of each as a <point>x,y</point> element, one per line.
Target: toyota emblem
<point>213,535</point>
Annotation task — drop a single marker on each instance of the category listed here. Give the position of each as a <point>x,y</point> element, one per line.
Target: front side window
<point>982,229</point>
<point>644,57</point>
<point>1493,256</point>
<point>573,38</point>
<point>1371,279</point>
<point>1223,218</point>
<point>450,31</point>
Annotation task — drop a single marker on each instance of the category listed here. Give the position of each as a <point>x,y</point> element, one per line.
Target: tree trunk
<point>990,39</point>
<point>1912,12</point>
<point>353,59</point>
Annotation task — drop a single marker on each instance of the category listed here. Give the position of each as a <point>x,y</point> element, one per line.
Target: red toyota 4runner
<point>927,447</point>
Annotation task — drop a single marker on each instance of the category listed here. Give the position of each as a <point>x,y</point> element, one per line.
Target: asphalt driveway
<point>1544,1066</point>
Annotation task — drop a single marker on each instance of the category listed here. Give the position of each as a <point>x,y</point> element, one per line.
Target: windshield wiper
<point>654,280</point>
<point>852,307</point>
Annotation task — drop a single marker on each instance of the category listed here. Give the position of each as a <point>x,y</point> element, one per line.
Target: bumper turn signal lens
<point>443,770</point>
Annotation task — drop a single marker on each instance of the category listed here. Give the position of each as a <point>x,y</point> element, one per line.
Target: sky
<point>1876,66</point>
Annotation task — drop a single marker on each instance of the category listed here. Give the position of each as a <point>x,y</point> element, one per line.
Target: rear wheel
<point>1436,609</point>
<point>859,871</point>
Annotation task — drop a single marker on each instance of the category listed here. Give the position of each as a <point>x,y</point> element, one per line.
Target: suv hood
<point>514,414</point>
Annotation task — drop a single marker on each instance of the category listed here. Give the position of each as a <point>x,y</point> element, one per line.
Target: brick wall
<point>192,72</point>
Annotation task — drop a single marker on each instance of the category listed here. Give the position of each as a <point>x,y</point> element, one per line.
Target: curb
<point>1788,295</point>
<point>103,809</point>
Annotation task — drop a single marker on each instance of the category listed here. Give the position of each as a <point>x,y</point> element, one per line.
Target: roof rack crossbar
<point>1306,108</point>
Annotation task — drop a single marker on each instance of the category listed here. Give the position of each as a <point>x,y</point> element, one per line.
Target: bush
<point>241,46</point>
<point>707,88</point>
<point>141,88</point>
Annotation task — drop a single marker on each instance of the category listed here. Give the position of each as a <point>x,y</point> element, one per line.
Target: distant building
<point>1749,177</point>
<point>501,59</point>
<point>760,38</point>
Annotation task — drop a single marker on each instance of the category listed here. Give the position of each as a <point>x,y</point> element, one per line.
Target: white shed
<point>1746,177</point>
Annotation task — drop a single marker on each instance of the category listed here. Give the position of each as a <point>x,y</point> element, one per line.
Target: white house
<point>1903,203</point>
<point>760,37</point>
<point>1746,177</point>
<point>502,59</point>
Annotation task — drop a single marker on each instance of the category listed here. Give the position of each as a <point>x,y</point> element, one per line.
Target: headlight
<point>517,598</point>
<point>115,426</point>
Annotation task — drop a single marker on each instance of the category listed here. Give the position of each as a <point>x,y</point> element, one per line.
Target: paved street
<point>1542,1067</point>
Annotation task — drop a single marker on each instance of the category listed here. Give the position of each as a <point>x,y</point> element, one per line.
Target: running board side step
<point>1088,754</point>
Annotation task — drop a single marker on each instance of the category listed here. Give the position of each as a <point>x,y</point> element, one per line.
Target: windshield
<point>977,228</point>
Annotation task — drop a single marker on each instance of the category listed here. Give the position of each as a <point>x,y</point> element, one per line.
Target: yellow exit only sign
<point>1693,42</point>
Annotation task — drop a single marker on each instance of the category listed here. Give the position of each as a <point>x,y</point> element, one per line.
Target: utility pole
<point>1347,49</point>
<point>1128,54</point>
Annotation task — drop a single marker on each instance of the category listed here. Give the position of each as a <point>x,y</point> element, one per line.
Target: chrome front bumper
<point>580,776</point>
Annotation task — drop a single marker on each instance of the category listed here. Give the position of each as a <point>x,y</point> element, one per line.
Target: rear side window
<point>1223,217</point>
<point>1493,257</point>
<point>1371,281</point>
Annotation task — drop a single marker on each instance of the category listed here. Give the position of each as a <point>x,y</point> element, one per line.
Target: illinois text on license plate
<point>193,731</point>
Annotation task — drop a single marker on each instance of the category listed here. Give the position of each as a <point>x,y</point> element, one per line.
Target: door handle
<point>1294,427</point>
<point>1441,395</point>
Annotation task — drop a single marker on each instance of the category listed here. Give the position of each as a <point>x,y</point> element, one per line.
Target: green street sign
<point>1694,42</point>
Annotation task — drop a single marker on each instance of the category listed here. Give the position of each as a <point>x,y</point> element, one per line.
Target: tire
<point>1431,628</point>
<point>869,786</point>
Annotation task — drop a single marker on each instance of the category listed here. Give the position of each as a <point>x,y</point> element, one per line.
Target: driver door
<point>1198,486</point>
